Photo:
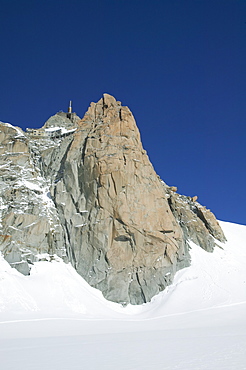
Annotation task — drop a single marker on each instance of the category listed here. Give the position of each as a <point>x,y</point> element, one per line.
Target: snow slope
<point>53,319</point>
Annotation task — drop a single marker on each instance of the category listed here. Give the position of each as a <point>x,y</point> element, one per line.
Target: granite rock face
<point>198,224</point>
<point>93,198</point>
<point>29,223</point>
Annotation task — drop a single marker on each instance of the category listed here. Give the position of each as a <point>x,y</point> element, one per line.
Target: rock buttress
<point>123,236</point>
<point>92,197</point>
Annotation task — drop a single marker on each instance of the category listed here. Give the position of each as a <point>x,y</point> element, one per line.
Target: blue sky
<point>180,66</point>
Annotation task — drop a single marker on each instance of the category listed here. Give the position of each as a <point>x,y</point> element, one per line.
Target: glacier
<point>53,319</point>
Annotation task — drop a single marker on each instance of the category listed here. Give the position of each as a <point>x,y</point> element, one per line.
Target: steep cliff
<point>86,191</point>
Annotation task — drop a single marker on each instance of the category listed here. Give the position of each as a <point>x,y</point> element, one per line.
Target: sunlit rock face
<point>29,223</point>
<point>107,212</point>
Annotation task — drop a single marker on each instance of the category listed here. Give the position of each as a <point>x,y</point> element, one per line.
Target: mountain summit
<point>85,191</point>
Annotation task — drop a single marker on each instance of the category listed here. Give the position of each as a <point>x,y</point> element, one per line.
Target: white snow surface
<point>53,319</point>
<point>63,129</point>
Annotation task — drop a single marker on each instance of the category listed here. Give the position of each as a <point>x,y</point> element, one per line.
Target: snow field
<point>53,319</point>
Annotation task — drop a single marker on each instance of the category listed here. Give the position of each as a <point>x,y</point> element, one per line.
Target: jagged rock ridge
<point>92,197</point>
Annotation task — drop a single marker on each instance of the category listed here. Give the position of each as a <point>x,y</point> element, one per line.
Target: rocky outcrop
<point>197,223</point>
<point>121,234</point>
<point>123,229</point>
<point>29,223</point>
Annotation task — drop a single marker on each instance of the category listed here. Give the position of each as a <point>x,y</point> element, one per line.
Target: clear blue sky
<point>180,65</point>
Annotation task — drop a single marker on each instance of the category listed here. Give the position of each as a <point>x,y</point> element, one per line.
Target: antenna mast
<point>70,107</point>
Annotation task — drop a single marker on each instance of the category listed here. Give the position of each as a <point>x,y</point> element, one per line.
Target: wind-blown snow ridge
<point>17,129</point>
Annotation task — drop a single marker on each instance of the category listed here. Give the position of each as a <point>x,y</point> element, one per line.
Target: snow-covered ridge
<point>18,130</point>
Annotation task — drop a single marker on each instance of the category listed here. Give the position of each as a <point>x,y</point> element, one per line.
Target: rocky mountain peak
<point>103,206</point>
<point>62,119</point>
